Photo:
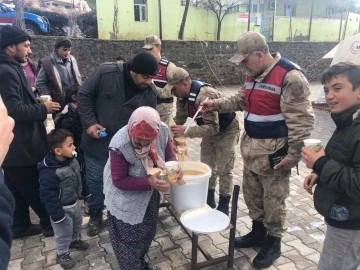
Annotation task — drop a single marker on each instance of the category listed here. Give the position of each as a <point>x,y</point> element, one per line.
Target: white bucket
<point>194,193</point>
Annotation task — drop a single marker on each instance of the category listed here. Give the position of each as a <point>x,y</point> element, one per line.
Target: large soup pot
<point>194,193</point>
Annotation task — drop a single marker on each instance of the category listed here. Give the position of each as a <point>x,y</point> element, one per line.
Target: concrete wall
<point>214,68</point>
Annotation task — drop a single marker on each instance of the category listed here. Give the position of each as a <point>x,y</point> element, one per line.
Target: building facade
<point>277,20</point>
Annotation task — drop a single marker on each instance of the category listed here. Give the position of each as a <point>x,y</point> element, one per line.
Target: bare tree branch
<point>220,8</point>
<point>183,21</point>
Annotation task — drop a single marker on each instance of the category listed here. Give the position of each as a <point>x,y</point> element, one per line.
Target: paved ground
<point>171,248</point>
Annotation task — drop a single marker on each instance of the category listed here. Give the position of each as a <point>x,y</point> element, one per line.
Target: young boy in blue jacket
<point>336,170</point>
<point>60,189</point>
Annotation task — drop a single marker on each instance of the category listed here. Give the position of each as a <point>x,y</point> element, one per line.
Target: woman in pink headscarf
<point>132,194</point>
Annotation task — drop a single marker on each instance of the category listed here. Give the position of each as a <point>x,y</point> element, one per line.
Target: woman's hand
<point>179,173</point>
<point>309,156</point>
<point>158,184</point>
<point>310,181</point>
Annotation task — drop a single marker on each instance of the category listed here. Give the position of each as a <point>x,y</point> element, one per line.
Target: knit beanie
<point>144,63</point>
<point>61,39</point>
<point>12,35</point>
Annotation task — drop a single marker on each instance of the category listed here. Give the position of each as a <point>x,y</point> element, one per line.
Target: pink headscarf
<point>144,124</point>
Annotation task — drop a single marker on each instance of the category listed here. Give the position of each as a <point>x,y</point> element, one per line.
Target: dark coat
<point>29,144</point>
<point>60,184</point>
<point>6,219</point>
<point>339,172</point>
<point>101,100</point>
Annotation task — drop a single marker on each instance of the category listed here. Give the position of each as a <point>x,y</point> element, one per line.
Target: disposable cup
<point>314,144</point>
<point>46,98</point>
<point>172,167</point>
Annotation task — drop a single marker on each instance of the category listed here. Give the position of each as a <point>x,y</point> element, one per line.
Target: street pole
<point>311,18</point>
<point>249,15</point>
<point>160,20</point>
<point>341,20</point>
<point>346,24</point>
<point>273,22</point>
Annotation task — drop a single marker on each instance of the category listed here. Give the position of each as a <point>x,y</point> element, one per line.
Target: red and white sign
<point>243,17</point>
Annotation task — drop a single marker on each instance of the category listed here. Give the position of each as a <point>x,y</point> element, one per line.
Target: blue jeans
<point>94,177</point>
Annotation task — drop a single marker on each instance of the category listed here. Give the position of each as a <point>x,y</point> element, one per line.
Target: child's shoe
<point>65,261</point>
<point>79,245</point>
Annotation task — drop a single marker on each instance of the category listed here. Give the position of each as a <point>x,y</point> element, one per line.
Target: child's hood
<point>50,161</point>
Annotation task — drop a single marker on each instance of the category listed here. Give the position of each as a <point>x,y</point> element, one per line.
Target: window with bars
<point>235,8</point>
<point>193,3</point>
<point>140,10</point>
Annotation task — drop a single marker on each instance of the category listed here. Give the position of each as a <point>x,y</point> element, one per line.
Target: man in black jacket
<point>6,199</point>
<point>105,102</point>
<point>29,144</point>
<point>336,170</point>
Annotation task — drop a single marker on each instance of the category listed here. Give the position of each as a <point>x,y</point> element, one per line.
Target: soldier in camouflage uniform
<point>278,117</point>
<point>165,99</point>
<point>219,133</point>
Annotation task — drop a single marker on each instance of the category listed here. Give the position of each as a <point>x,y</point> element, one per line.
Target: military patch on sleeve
<point>296,90</point>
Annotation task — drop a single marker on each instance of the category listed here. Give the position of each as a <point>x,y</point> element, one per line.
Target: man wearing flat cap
<point>277,118</point>
<point>58,72</point>
<point>105,102</point>
<point>219,133</point>
<point>29,144</point>
<point>165,99</point>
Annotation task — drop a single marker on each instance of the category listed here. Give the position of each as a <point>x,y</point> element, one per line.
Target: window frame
<point>140,11</point>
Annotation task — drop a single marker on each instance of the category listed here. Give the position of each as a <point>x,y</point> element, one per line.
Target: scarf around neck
<point>144,124</point>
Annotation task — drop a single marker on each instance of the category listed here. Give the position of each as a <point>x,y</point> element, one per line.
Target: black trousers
<point>23,183</point>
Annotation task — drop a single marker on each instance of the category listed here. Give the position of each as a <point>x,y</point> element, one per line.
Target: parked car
<point>34,24</point>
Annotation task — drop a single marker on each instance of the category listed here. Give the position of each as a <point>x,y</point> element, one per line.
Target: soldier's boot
<point>270,251</point>
<point>94,225</point>
<point>223,205</point>
<point>211,198</point>
<point>256,237</point>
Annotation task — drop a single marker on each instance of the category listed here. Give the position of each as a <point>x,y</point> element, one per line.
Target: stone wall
<point>206,61</point>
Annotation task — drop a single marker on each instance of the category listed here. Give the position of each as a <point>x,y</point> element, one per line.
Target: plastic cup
<point>162,174</point>
<point>172,167</point>
<point>314,144</point>
<point>46,98</point>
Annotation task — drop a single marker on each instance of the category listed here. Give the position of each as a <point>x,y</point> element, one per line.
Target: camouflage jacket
<point>211,125</point>
<point>299,117</point>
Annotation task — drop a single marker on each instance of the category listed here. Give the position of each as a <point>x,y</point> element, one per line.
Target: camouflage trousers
<point>265,198</point>
<point>165,110</point>
<point>219,153</point>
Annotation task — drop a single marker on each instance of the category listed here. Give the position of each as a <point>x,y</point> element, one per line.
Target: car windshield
<point>5,8</point>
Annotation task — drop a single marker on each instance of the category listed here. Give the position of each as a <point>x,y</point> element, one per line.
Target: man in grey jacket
<point>58,72</point>
<point>106,101</point>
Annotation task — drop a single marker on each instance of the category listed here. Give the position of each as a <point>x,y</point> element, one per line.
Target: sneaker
<point>47,232</point>
<point>33,229</point>
<point>94,225</point>
<point>79,245</point>
<point>65,261</point>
